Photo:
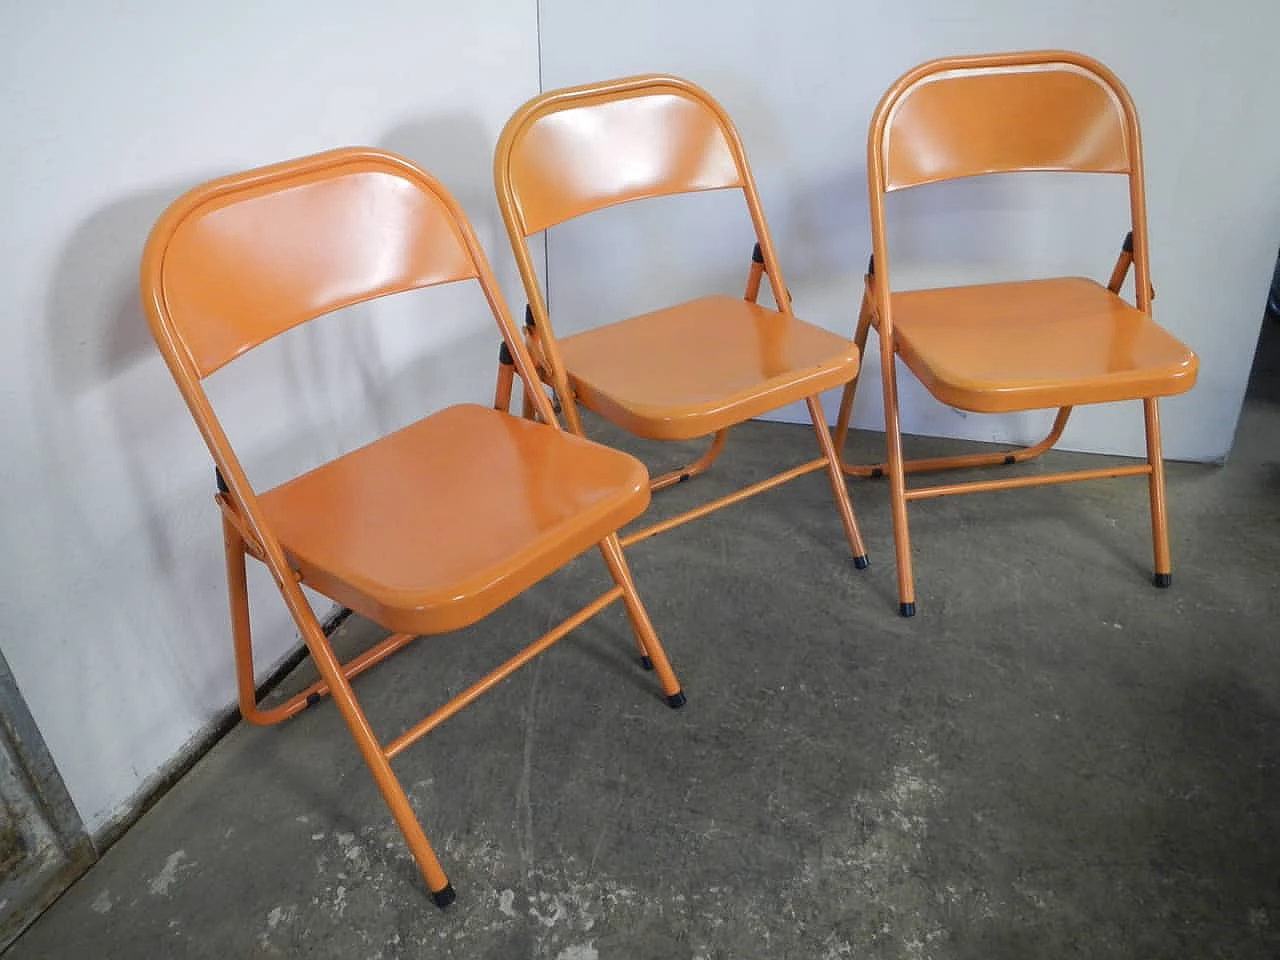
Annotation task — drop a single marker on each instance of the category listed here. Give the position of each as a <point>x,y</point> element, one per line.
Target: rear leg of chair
<point>242,639</point>
<point>850,389</point>
<point>1163,576</point>
<point>838,485</point>
<point>241,632</point>
<point>681,474</point>
<point>506,379</point>
<point>236,550</point>
<point>646,638</point>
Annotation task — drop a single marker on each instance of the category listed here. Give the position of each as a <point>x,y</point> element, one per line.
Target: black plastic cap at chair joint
<point>1128,243</point>
<point>757,255</point>
<point>220,480</point>
<point>444,896</point>
<point>646,663</point>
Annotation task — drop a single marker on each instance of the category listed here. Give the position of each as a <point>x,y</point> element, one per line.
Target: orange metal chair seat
<point>996,348</point>
<point>398,549</point>
<point>688,370</point>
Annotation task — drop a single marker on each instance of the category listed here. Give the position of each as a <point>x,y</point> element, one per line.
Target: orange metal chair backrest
<point>238,261</point>
<point>245,258</point>
<point>578,150</point>
<point>1048,110</point>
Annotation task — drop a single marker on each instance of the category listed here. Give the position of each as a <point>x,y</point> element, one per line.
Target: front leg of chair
<point>838,485</point>
<point>1163,576</point>
<point>375,756</point>
<point>651,653</point>
<point>897,484</point>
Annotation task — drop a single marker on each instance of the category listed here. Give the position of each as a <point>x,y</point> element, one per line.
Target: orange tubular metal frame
<point>202,320</point>
<point>537,190</point>
<point>985,154</point>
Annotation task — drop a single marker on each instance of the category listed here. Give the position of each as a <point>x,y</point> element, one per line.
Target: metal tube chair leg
<point>830,449</point>
<point>1163,576</point>
<point>651,653</point>
<point>691,470</point>
<point>241,635</point>
<point>237,547</point>
<point>334,682</point>
<point>850,388</point>
<point>376,759</point>
<point>506,379</point>
<point>897,484</point>
<point>838,485</point>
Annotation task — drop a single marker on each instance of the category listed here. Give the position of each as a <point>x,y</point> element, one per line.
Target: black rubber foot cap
<point>861,563</point>
<point>646,663</point>
<point>907,609</point>
<point>1163,579</point>
<point>444,897</point>
<point>676,700</point>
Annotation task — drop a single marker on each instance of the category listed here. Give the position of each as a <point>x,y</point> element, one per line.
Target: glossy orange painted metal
<point>426,530</point>
<point>965,119</point>
<point>1041,343</point>
<point>735,362</point>
<point>690,370</point>
<point>1028,345</point>
<point>546,496</point>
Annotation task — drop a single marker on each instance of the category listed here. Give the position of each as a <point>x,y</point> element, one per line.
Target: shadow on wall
<point>130,476</point>
<point>115,442</point>
<point>458,151</point>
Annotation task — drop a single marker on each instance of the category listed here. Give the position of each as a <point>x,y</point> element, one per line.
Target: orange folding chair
<point>686,371</point>
<point>426,530</point>
<point>997,348</point>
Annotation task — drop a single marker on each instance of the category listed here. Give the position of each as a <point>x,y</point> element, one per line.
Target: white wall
<point>801,80</point>
<point>113,599</point>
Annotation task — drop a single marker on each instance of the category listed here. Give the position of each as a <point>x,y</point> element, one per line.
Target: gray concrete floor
<point>1053,759</point>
